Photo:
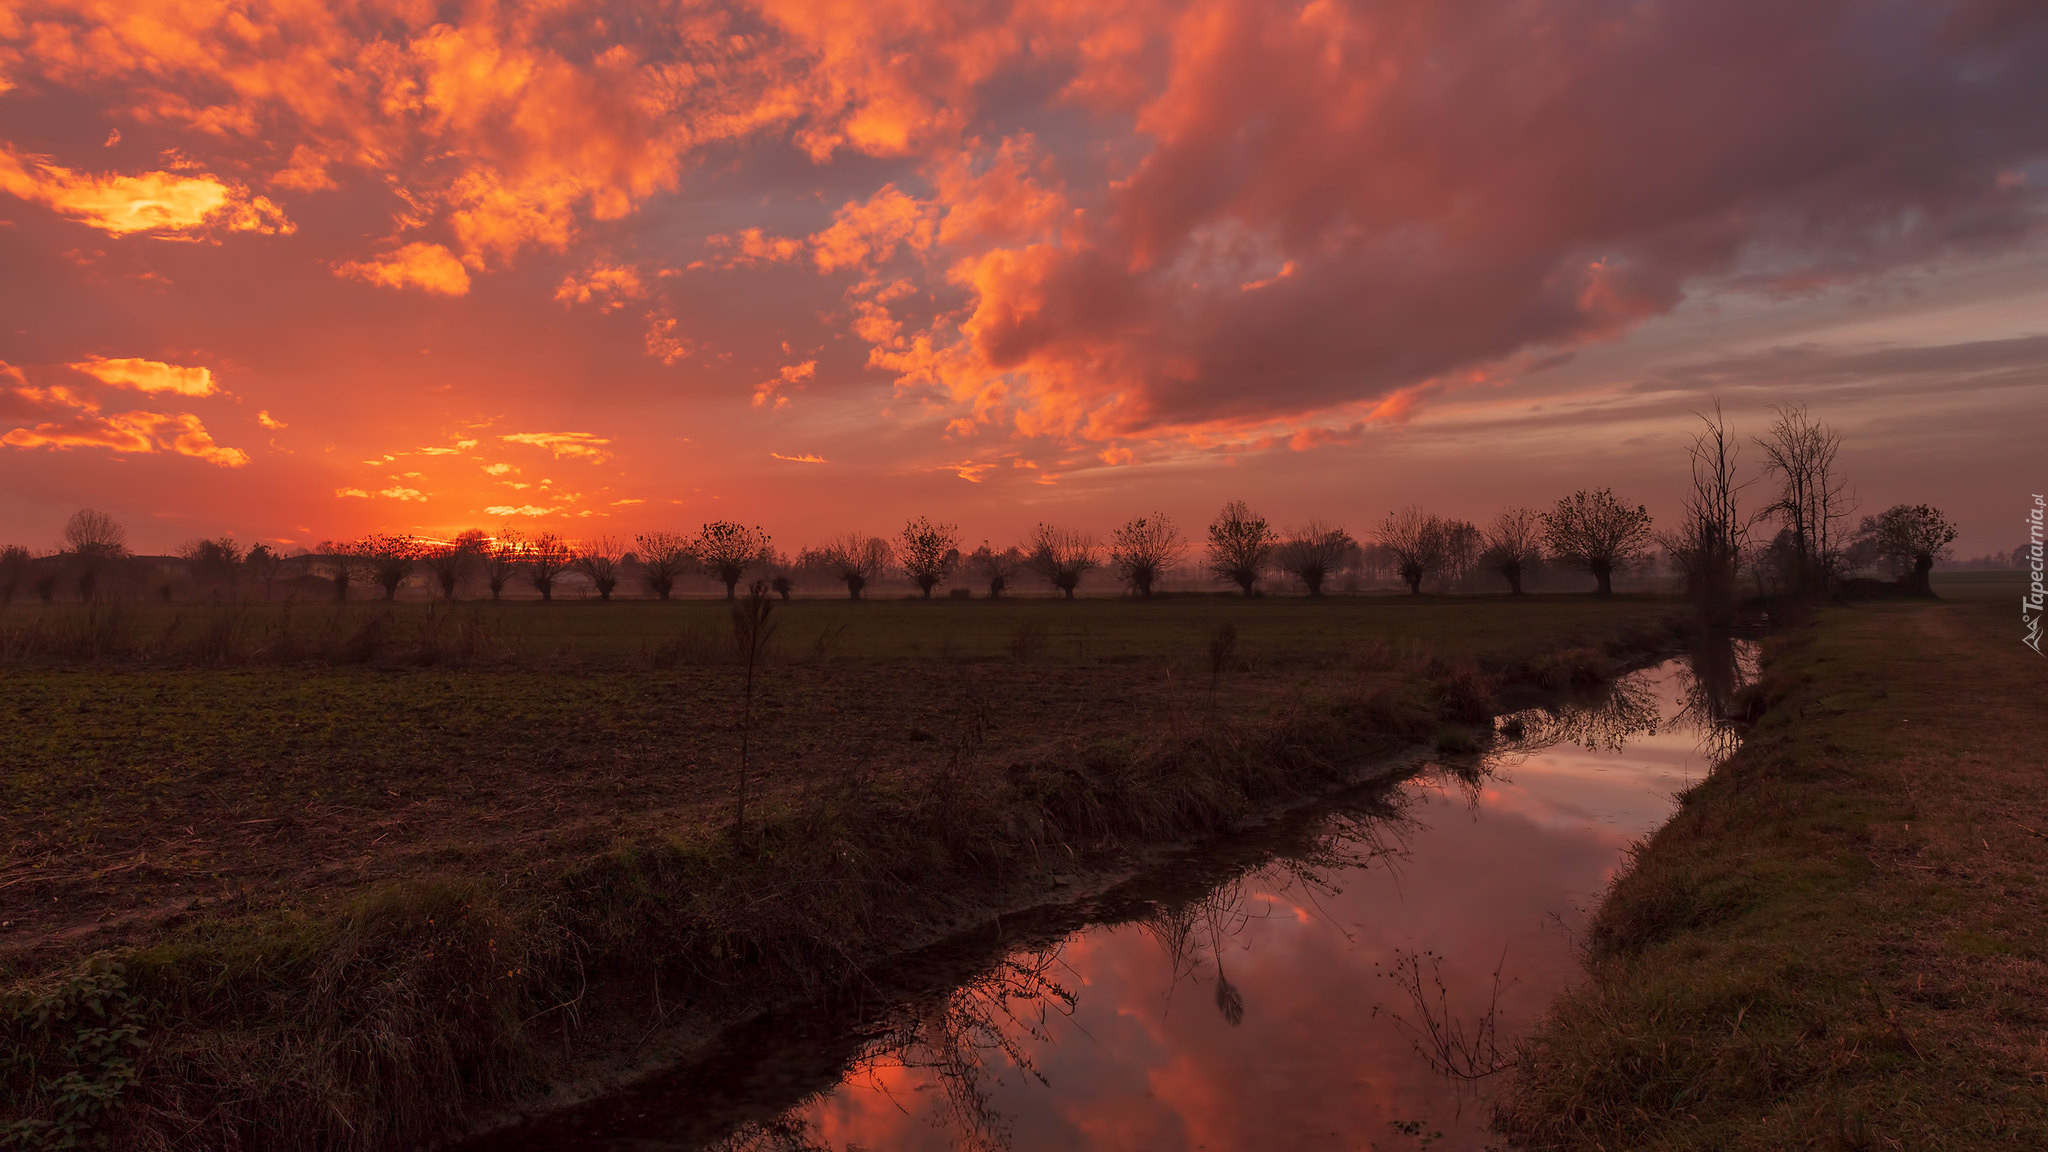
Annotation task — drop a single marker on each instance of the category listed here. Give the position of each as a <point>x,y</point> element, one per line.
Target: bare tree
<point>1513,545</point>
<point>727,550</point>
<point>15,563</point>
<point>1813,500</point>
<point>1414,540</point>
<point>545,556</point>
<point>930,553</point>
<point>854,559</point>
<point>1713,532</point>
<point>664,557</point>
<point>599,561</point>
<point>1462,545</point>
<point>1062,556</point>
<point>213,562</point>
<point>1594,531</point>
<point>994,567</point>
<point>501,558</point>
<point>1313,551</point>
<point>345,564</point>
<point>1240,543</point>
<point>94,541</point>
<point>1910,538</point>
<point>450,561</point>
<point>390,560</point>
<point>1145,550</point>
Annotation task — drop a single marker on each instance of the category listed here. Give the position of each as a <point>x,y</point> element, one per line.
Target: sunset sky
<point>310,269</point>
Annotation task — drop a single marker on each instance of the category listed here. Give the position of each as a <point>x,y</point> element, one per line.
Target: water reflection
<point>1348,980</point>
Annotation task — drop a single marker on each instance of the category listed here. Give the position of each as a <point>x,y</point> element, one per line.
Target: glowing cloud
<point>789,376</point>
<point>427,266</point>
<point>805,458</point>
<point>609,286</point>
<point>153,202</point>
<point>576,445</point>
<point>151,376</point>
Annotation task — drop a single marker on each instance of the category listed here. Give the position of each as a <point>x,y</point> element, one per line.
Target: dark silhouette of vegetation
<point>1313,551</point>
<point>1511,545</point>
<point>501,561</point>
<point>664,558</point>
<point>545,557</point>
<point>1416,542</point>
<point>1062,557</point>
<point>995,568</point>
<point>1144,550</point>
<point>1240,544</point>
<point>751,631</point>
<point>390,560</point>
<point>16,562</point>
<point>94,541</point>
<point>726,550</point>
<point>262,564</point>
<point>1813,501</point>
<point>1594,531</point>
<point>854,560</point>
<point>1909,538</point>
<point>1713,532</point>
<point>1463,544</point>
<point>448,562</point>
<point>930,553</point>
<point>599,560</point>
<point>213,563</point>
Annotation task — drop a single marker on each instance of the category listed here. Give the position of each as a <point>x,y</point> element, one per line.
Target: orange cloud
<point>749,247</point>
<point>869,231</point>
<point>609,286</point>
<point>149,376</point>
<point>789,376</point>
<point>575,445</point>
<point>804,458</point>
<point>427,266</point>
<point>158,202</point>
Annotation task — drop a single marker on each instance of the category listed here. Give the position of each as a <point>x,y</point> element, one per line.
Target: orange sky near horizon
<point>296,270</point>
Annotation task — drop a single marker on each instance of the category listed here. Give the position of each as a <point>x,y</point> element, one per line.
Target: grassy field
<point>266,875</point>
<point>1841,939</point>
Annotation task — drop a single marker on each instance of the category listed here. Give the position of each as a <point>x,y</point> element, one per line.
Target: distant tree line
<point>1719,547</point>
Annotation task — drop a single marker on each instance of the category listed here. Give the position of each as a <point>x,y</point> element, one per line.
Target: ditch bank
<point>430,1008</point>
<point>1839,939</point>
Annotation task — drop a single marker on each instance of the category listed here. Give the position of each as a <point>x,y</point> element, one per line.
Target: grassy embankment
<point>338,877</point>
<point>1840,940</point>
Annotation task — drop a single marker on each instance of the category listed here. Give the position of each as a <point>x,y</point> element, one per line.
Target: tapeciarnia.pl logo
<point>2031,605</point>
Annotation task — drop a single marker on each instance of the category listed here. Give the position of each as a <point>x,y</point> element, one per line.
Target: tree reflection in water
<point>965,1041</point>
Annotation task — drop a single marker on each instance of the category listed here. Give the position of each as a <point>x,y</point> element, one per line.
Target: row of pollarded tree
<point>1592,531</point>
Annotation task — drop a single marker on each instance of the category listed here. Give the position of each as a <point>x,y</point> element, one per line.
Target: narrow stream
<point>1347,979</point>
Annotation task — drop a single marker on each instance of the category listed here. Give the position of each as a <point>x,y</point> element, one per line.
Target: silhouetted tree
<point>854,560</point>
<point>94,541</point>
<point>929,554</point>
<point>15,563</point>
<point>1462,545</point>
<point>345,564</point>
<point>390,560</point>
<point>545,556</point>
<point>727,550</point>
<point>1813,500</point>
<point>1240,543</point>
<point>996,568</point>
<point>599,561</point>
<point>1145,550</point>
<point>262,564</point>
<point>1513,545</point>
<point>1910,538</point>
<point>501,559</point>
<point>1062,556</point>
<point>1414,540</point>
<point>664,558</point>
<point>1594,531</point>
<point>448,562</point>
<point>1713,532</point>
<point>213,562</point>
<point>1313,551</point>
